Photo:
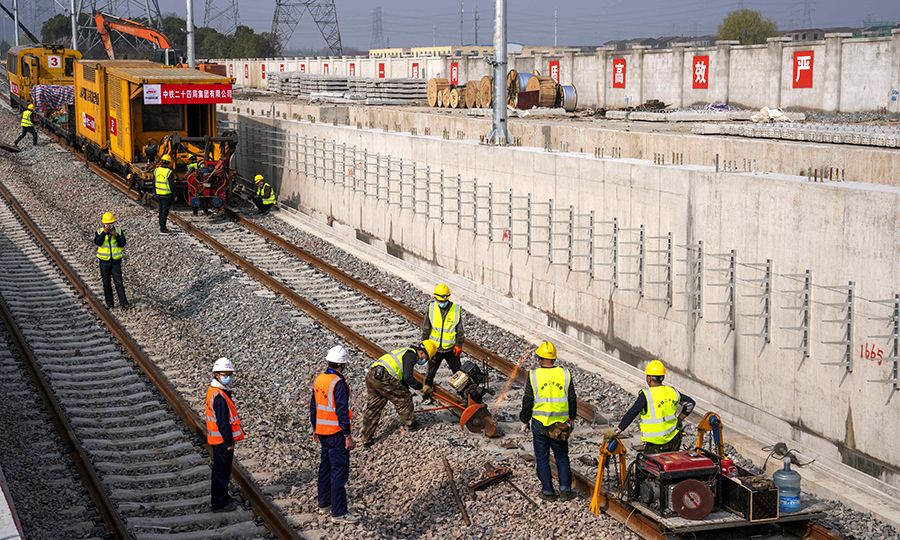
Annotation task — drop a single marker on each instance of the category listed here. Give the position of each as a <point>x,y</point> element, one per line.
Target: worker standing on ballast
<point>444,326</point>
<point>28,125</point>
<point>163,176</point>
<point>110,240</point>
<point>265,195</point>
<point>389,379</point>
<point>549,404</point>
<point>331,417</point>
<point>658,407</point>
<point>223,429</point>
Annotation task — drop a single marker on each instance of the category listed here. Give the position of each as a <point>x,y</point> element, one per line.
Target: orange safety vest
<point>213,436</point>
<point>326,415</point>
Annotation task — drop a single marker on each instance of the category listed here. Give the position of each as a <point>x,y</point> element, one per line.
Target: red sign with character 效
<point>454,73</point>
<point>803,69</point>
<point>701,72</point>
<point>554,71</point>
<point>618,73</point>
<point>173,94</point>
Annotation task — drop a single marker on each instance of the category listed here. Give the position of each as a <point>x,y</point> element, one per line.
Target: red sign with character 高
<point>803,69</point>
<point>618,73</point>
<point>701,73</point>
<point>554,71</point>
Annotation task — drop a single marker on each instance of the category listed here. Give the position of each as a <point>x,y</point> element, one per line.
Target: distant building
<point>664,42</point>
<point>880,29</point>
<point>531,50</point>
<point>816,34</point>
<point>443,50</point>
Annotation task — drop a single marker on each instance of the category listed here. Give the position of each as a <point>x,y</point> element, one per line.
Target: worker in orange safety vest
<point>223,429</point>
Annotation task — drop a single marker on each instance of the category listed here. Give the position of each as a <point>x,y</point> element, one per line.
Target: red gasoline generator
<point>683,483</point>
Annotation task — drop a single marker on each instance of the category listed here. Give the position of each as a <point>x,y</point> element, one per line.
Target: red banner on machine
<point>173,94</point>
<point>554,71</point>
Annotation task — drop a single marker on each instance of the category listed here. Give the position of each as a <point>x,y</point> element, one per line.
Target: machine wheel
<point>692,499</point>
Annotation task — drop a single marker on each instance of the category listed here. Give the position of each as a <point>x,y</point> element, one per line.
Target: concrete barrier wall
<point>838,232</point>
<point>848,74</point>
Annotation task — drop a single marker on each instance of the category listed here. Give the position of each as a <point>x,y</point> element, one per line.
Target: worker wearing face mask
<point>444,326</point>
<point>223,429</point>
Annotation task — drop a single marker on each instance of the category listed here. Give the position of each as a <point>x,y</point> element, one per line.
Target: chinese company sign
<point>554,71</point>
<point>173,94</point>
<point>88,121</point>
<point>454,73</point>
<point>113,130</point>
<point>803,69</point>
<point>618,73</point>
<point>701,72</point>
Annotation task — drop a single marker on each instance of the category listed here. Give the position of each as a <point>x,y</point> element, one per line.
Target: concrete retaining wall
<point>839,232</point>
<point>848,74</point>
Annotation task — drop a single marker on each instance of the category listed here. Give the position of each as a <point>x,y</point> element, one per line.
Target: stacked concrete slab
<point>860,134</point>
<point>347,89</point>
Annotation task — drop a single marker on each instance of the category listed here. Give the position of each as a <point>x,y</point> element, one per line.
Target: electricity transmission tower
<point>221,15</point>
<point>807,14</point>
<point>145,10</point>
<point>323,12</point>
<point>377,32</point>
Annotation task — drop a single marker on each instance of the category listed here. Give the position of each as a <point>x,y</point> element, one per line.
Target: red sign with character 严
<point>173,94</point>
<point>618,73</point>
<point>454,73</point>
<point>415,70</point>
<point>381,70</point>
<point>701,72</point>
<point>554,71</point>
<point>803,69</point>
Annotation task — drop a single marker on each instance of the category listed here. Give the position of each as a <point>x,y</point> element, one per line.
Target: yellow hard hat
<point>655,369</point>
<point>442,292</point>
<point>430,348</point>
<point>258,178</point>
<point>31,106</point>
<point>108,218</point>
<point>546,350</point>
<point>166,157</point>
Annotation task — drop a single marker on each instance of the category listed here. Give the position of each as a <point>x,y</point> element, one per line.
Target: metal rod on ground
<point>522,493</point>
<point>462,507</point>
<point>439,408</point>
<point>499,134</point>
<point>190,33</point>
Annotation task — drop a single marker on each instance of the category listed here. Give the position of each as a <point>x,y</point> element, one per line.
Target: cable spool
<point>435,87</point>
<point>566,97</point>
<point>523,81</point>
<point>478,103</point>
<point>445,97</point>
<point>547,88</point>
<point>457,97</point>
<point>536,72</point>
<point>512,87</point>
<point>471,94</point>
<point>486,91</point>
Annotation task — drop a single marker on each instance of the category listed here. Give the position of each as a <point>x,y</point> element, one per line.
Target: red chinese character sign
<point>246,71</point>
<point>172,94</point>
<point>302,68</point>
<point>281,68</point>
<point>554,71</point>
<point>803,69</point>
<point>380,70</point>
<point>701,73</point>
<point>618,73</point>
<point>262,70</point>
<point>231,70</point>
<point>352,69</point>
<point>415,70</point>
<point>454,73</point>
<point>88,121</point>
<point>325,69</point>
<point>113,129</point>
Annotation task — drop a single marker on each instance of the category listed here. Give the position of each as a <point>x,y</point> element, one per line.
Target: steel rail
<point>274,520</point>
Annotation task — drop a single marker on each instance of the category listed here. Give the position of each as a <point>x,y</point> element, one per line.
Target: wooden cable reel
<point>471,94</point>
<point>435,87</point>
<point>512,87</point>
<point>547,88</point>
<point>445,97</point>
<point>457,97</point>
<point>486,91</point>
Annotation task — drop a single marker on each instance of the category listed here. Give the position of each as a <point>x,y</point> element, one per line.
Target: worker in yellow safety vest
<point>265,195</point>
<point>443,325</point>
<point>332,417</point>
<point>223,429</point>
<point>549,404</point>
<point>110,240</point>
<point>162,178</point>
<point>28,125</point>
<point>658,407</point>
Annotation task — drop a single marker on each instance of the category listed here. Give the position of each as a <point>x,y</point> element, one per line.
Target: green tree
<point>747,26</point>
<point>4,47</point>
<point>57,29</point>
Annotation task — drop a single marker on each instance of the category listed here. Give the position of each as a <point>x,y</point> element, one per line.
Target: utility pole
<point>74,24</point>
<point>476,25</point>
<point>461,11</point>
<point>16,20</point>
<point>555,24</point>
<point>499,134</point>
<point>190,33</point>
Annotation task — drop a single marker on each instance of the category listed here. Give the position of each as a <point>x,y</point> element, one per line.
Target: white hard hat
<point>223,364</point>
<point>337,355</point>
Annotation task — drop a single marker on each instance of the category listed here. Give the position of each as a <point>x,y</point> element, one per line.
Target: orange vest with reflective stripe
<point>213,436</point>
<point>326,415</point>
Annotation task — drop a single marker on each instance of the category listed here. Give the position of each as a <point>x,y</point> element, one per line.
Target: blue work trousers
<point>542,445</point>
<point>334,471</point>
<point>165,204</point>
<point>221,475</point>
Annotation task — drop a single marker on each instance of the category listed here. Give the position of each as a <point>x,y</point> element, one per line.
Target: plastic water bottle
<point>788,484</point>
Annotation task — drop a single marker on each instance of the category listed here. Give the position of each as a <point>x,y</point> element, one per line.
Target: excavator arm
<point>106,22</point>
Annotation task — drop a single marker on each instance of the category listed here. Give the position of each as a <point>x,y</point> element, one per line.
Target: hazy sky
<point>409,23</point>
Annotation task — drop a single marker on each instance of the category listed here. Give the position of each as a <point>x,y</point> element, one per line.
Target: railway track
<point>134,442</point>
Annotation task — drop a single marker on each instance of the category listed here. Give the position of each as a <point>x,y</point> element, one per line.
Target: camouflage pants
<point>378,393</point>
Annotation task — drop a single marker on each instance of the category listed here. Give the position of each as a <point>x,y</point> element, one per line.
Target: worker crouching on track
<point>658,406</point>
<point>110,240</point>
<point>163,181</point>
<point>28,125</point>
<point>549,403</point>
<point>331,416</point>
<point>265,195</point>
<point>389,379</point>
<point>223,429</point>
<point>444,326</point>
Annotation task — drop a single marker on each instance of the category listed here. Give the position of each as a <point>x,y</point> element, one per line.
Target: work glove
<point>609,435</point>
<point>457,350</point>
<point>680,425</point>
<point>524,428</point>
<point>426,391</point>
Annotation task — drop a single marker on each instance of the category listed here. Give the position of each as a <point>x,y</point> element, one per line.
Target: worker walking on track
<point>163,176</point>
<point>223,429</point>
<point>265,195</point>
<point>658,407</point>
<point>549,404</point>
<point>110,240</point>
<point>389,379</point>
<point>28,125</point>
<point>331,417</point>
<point>444,326</point>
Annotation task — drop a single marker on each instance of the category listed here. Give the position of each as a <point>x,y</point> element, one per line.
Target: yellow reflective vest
<point>110,248</point>
<point>261,193</point>
<point>551,394</point>
<point>659,424</point>
<point>393,362</point>
<point>27,118</point>
<point>443,330</point>
<point>162,175</point>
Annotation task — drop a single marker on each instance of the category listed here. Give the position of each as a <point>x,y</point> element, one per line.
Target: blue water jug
<point>788,484</point>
